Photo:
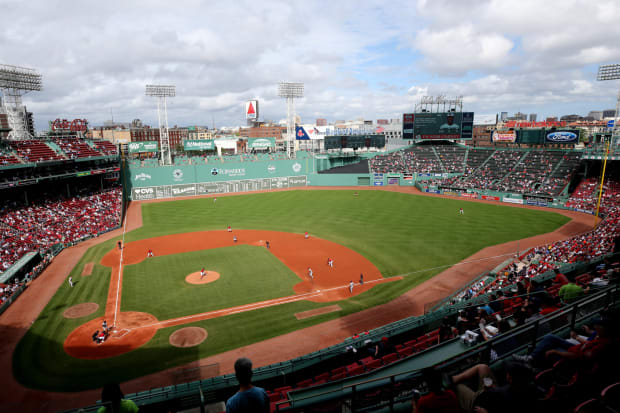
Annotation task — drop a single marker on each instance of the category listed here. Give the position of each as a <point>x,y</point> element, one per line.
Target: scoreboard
<point>443,125</point>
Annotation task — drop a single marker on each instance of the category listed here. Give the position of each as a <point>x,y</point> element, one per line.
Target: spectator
<point>570,292</point>
<point>517,395</point>
<point>112,398</point>
<point>553,347</point>
<point>560,278</point>
<point>437,399</point>
<point>249,399</point>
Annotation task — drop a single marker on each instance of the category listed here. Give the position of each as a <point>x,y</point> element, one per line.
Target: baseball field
<point>250,292</point>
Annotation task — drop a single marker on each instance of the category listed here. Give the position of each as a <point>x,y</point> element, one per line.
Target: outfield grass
<point>247,274</point>
<point>400,233</point>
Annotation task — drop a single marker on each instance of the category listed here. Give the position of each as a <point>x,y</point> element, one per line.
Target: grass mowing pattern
<point>247,274</point>
<point>399,233</point>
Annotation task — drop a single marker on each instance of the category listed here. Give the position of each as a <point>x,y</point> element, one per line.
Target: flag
<point>301,134</point>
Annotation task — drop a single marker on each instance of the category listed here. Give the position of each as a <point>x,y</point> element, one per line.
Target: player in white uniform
<point>310,273</point>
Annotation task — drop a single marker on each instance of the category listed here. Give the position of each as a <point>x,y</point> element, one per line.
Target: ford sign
<point>563,136</point>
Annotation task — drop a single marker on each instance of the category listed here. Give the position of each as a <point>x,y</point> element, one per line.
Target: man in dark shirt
<point>249,398</point>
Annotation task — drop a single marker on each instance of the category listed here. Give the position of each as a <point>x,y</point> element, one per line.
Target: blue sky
<point>367,59</point>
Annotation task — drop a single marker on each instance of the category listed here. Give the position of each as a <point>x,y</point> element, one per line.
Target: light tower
<point>290,91</point>
<point>161,92</point>
<point>14,82</point>
<point>612,72</point>
<point>609,72</point>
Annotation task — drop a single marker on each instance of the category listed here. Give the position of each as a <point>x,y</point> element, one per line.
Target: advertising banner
<point>490,198</point>
<point>183,190</point>
<point>198,145</point>
<point>510,136</point>
<point>468,195</point>
<point>261,143</point>
<point>140,194</point>
<point>147,146</point>
<point>251,110</point>
<point>565,136</point>
<point>445,125</point>
<point>512,200</point>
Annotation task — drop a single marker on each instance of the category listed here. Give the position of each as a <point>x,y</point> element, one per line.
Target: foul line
<point>252,306</point>
<point>120,269</point>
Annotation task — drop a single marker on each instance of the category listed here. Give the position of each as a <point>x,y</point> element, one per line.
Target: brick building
<point>263,132</point>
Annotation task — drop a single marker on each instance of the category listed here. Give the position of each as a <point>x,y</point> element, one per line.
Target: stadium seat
<point>322,376</point>
<point>366,360</point>
<point>611,396</point>
<point>338,376</point>
<point>356,371</point>
<point>375,364</point>
<point>591,406</point>
<point>389,358</point>
<point>305,383</point>
<point>338,370</point>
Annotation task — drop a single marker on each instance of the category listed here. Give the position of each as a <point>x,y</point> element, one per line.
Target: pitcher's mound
<point>194,278</point>
<point>188,337</point>
<point>80,310</point>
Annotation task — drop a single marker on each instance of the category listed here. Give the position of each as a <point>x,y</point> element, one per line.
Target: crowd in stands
<point>76,148</point>
<point>7,157</point>
<point>531,171</point>
<point>561,176</point>
<point>57,149</point>
<point>55,220</point>
<point>452,158</point>
<point>585,196</point>
<point>487,175</point>
<point>422,159</point>
<point>35,151</point>
<point>7,290</point>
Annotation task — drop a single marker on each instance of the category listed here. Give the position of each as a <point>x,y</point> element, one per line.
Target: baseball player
<point>461,211</point>
<point>331,263</point>
<point>71,281</point>
<point>202,273</point>
<point>351,284</point>
<point>229,229</point>
<point>306,236</point>
<point>214,200</point>
<point>310,273</point>
<point>104,326</point>
<point>267,244</point>
<point>361,279</point>
<point>120,245</point>
<point>150,253</point>
<point>234,238</point>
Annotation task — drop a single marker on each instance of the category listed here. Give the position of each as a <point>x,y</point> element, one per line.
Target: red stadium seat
<point>389,358</point>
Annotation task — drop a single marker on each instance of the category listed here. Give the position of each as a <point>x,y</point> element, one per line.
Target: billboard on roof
<point>251,110</point>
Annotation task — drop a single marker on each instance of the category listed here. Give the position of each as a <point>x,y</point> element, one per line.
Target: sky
<point>357,59</point>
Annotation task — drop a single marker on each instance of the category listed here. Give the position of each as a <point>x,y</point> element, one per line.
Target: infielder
<point>310,273</point>
<point>351,284</point>
<point>150,253</point>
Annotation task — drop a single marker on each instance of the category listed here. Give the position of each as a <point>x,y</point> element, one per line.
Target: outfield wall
<point>189,180</point>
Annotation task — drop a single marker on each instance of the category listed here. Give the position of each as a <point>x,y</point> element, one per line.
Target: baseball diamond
<point>370,233</point>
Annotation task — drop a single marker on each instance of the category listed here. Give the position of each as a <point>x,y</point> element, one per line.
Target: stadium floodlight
<point>609,72</point>
<point>16,81</point>
<point>161,92</point>
<point>290,91</point>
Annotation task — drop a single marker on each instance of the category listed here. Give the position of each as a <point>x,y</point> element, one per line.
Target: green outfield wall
<point>189,180</point>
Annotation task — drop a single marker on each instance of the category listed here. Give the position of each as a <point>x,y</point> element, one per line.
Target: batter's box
<point>122,333</point>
